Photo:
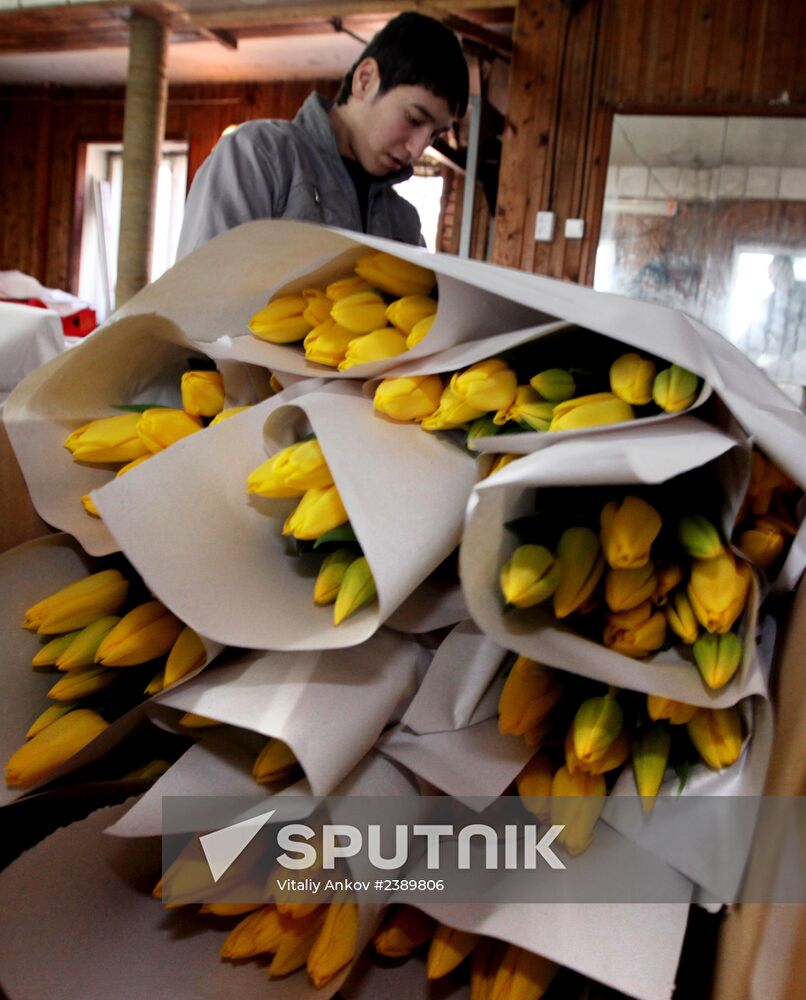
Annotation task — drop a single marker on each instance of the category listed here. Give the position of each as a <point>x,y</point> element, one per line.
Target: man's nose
<point>418,142</point>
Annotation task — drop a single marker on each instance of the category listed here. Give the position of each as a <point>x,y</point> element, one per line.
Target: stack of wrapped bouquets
<point>364,521</point>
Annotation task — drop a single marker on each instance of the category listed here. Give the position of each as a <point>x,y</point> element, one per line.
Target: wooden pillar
<point>143,128</point>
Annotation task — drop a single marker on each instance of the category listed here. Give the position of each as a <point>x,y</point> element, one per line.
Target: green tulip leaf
<point>344,533</point>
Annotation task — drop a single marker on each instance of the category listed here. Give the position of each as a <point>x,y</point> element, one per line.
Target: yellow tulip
<point>763,543</point>
<point>637,632</point>
<point>581,566</point>
<point>681,619</point>
<point>281,321</point>
<point>78,604</point>
<point>291,472</point>
<point>528,695</point>
<point>317,306</point>
<point>202,393</point>
<point>527,408</point>
<point>627,588</point>
<point>327,343</point>
<point>403,932</point>
<point>231,411</point>
<point>717,735</point>
<point>632,378</point>
<point>522,975</point>
<point>534,785</point>
<point>190,720</point>
<point>110,439</point>
<point>577,801</point>
<point>677,712</point>
<point>149,454</point>
<point>52,650</point>
<point>405,313</point>
<point>395,276</point>
<point>82,649</point>
<point>554,384</point>
<point>718,590</point>
<point>275,762</point>
<point>484,965</point>
<point>89,506</point>
<point>340,289</point>
<point>530,576</point>
<point>717,657</point>
<point>410,397</point>
<point>146,632</point>
<point>296,941</point>
<point>487,386</point>
<point>650,755</point>
<point>49,716</point>
<point>357,589</point>
<point>668,576</point>
<point>335,945</point>
<point>51,747</point>
<point>375,346</point>
<point>187,654</point>
<point>590,411</point>
<point>628,530</point>
<point>675,389</point>
<point>319,511</point>
<point>613,757</point>
<point>161,427</point>
<point>331,575</point>
<point>452,412</point>
<point>156,684</point>
<point>256,934</point>
<point>699,537</point>
<point>597,723</point>
<point>766,479</point>
<point>420,331</point>
<point>501,462</point>
<point>360,313</point>
<point>82,683</point>
<point>449,948</point>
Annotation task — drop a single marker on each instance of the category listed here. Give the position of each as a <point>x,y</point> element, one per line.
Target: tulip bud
<point>766,479</point>
<point>156,684</point>
<point>581,568</point>
<point>202,393</point>
<point>190,720</point>
<point>632,378</point>
<point>528,695</point>
<point>555,384</point>
<point>331,575</point>
<point>449,948</point>
<point>78,604</point>
<point>627,588</point>
<point>613,757</point>
<point>327,343</point>
<point>699,537</point>
<point>677,712</point>
<point>51,747</point>
<point>161,427</point>
<point>81,651</point>
<point>219,418</point>
<point>51,651</point>
<point>522,975</point>
<point>296,941</point>
<point>681,619</point>
<point>395,276</point>
<point>357,589</point>
<point>291,472</point>
<point>650,755</point>
<point>81,683</point>
<point>340,289</point>
<point>628,530</point>
<point>501,462</point>
<point>637,632</point>
<point>360,313</point>
<point>527,409</point>
<point>536,736</point>
<point>484,965</point>
<point>149,454</point>
<point>410,397</point>
<point>274,762</point>
<point>49,716</point>
<point>590,411</point>
<point>451,412</point>
<point>89,505</point>
<point>717,735</point>
<point>597,723</point>
<point>402,933</point>
<point>406,313</point>
<point>577,801</point>
<point>319,511</point>
<point>717,657</point>
<point>534,785</point>
<point>187,654</point>
<point>486,386</point>
<point>146,632</point>
<point>668,575</point>
<point>335,946</point>
<point>718,590</point>
<point>281,321</point>
<point>763,543</point>
<point>531,575</point>
<point>420,331</point>
<point>675,389</point>
<point>256,934</point>
<point>375,346</point>
<point>317,306</point>
<point>110,439</point>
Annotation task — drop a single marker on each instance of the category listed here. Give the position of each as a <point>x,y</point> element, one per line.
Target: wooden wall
<point>41,130</point>
<point>570,73</point>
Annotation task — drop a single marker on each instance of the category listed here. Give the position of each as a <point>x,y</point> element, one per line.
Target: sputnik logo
<point>222,848</point>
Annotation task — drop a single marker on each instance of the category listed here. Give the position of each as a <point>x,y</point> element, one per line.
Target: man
<point>336,163</point>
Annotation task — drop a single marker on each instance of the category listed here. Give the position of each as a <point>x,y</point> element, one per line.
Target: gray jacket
<point>271,169</point>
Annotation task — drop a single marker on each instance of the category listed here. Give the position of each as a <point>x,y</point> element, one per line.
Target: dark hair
<point>415,50</point>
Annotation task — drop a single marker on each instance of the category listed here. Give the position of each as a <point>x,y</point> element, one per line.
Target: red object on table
<point>77,324</point>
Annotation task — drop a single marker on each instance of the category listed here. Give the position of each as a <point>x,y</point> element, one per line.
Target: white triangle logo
<point>222,848</point>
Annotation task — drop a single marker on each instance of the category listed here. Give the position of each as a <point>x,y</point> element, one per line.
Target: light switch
<point>574,229</point>
<point>544,227</point>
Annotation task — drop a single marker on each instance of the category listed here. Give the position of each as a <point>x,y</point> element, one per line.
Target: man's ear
<point>366,79</point>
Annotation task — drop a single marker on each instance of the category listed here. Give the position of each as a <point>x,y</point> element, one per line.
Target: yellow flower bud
<point>375,346</point>
<point>451,412</point>
<point>577,801</point>
<point>403,932</point>
<point>187,654</point>
<point>522,975</point>
<point>637,632</point>
<point>291,472</point>
<point>534,785</point>
<point>766,479</point>
<point>82,683</point>
<point>410,397</point>
<point>317,306</point>
<point>275,762</point>
<point>420,331</point>
<point>581,566</point>
<point>681,619</point>
<point>395,276</point>
<point>627,588</point>
<point>327,343</point>
<point>340,289</point>
<point>597,723</point>
<point>156,684</point>
<point>677,712</point>
<point>554,384</point>
<point>484,965</point>
<point>628,530</point>
<point>139,461</point>
<point>668,576</point>
<point>487,386</point>
<point>78,604</point>
<point>632,378</point>
<point>296,941</point>
<point>231,411</point>
<point>675,389</point>
<point>449,948</point>
<point>52,650</point>
<point>319,511</point>
<point>717,735</point>
<point>501,462</point>
<point>528,409</point>
<point>763,543</point>
<point>528,695</point>
<point>49,716</point>
<point>407,312</point>
<point>281,321</point>
<point>81,651</point>
<point>190,720</point>
<point>256,934</point>
<point>530,576</point>
<point>89,506</point>
<point>202,393</point>
<point>699,537</point>
<point>357,589</point>
<point>146,632</point>
<point>335,945</point>
<point>331,575</point>
<point>717,657</point>
<point>161,427</point>
<point>718,590</point>
<point>51,747</point>
<point>650,755</point>
<point>360,313</point>
<point>613,757</point>
<point>590,411</point>
<point>110,439</point>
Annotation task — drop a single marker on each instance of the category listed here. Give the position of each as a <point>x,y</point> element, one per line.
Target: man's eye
<point>414,122</point>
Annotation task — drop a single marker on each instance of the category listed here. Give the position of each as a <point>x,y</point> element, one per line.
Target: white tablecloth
<point>29,337</point>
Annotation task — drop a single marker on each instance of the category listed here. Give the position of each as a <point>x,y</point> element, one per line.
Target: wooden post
<point>143,128</point>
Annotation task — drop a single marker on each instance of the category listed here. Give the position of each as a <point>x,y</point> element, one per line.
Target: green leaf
<point>140,407</point>
<point>344,533</point>
<point>681,769</point>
